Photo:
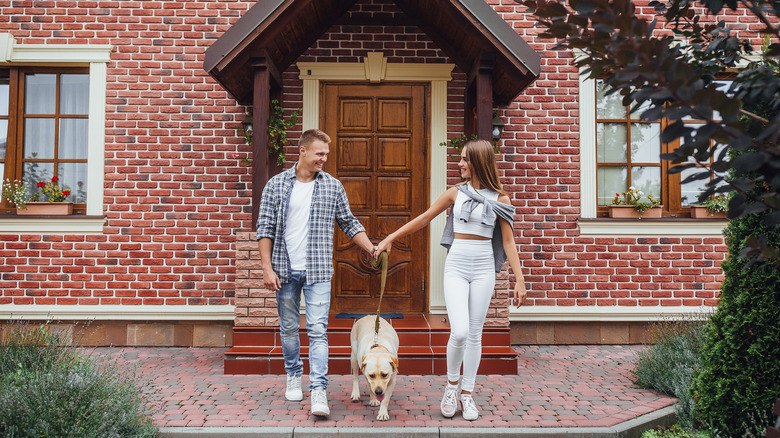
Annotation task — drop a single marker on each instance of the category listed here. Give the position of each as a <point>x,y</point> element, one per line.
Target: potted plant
<point>51,199</point>
<point>629,205</point>
<point>713,208</point>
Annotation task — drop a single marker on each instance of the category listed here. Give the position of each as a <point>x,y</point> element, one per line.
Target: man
<point>295,232</point>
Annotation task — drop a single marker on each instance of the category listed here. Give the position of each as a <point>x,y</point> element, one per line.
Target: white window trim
<point>685,226</point>
<point>607,313</point>
<point>96,57</point>
<point>102,312</point>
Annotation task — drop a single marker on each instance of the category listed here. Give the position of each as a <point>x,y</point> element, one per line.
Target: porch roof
<point>280,30</point>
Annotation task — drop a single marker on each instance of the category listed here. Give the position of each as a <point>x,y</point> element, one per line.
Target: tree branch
<point>753,116</point>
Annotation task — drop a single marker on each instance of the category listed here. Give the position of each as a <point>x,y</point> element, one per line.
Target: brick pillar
<point>498,313</point>
<point>255,305</point>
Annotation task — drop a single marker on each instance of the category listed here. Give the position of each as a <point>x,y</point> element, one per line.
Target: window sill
<point>668,226</point>
<point>76,223</point>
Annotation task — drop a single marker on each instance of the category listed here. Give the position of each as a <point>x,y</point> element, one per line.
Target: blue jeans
<point>317,298</point>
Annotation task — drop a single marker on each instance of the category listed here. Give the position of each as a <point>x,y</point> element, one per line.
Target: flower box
<point>46,208</point>
<point>701,212</point>
<point>628,211</point>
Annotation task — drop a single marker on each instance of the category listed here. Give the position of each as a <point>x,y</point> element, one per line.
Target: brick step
<point>338,337</point>
<point>411,360</point>
<point>423,339</point>
<point>413,329</point>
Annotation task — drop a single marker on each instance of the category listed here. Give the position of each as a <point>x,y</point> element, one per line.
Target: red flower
<point>54,179</point>
<point>41,184</point>
<point>66,192</point>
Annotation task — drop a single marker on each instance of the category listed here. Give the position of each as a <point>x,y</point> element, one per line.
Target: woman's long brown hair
<point>482,164</point>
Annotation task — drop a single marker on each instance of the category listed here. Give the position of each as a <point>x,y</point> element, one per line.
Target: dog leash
<point>382,261</point>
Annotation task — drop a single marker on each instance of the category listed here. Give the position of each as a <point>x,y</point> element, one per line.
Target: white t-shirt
<point>297,230</point>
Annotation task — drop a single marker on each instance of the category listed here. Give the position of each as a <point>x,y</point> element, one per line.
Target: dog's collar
<point>380,346</point>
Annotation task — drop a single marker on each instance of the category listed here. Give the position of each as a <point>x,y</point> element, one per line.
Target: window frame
<point>670,190</point>
<point>14,161</point>
<point>590,223</point>
<point>95,58</point>
<point>628,120</point>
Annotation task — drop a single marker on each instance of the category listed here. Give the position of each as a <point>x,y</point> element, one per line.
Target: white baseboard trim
<point>118,312</point>
<point>227,313</point>
<point>606,313</point>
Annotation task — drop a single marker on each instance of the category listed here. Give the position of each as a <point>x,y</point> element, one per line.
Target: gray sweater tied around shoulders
<point>490,214</point>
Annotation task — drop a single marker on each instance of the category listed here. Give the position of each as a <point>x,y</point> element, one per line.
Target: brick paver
<point>556,386</point>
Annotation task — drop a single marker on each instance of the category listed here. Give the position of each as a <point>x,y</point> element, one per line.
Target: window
<point>628,154</point>
<point>46,128</point>
<point>628,150</point>
<point>75,80</point>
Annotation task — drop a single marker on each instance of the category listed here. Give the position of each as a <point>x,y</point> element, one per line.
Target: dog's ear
<point>394,363</point>
<point>363,363</point>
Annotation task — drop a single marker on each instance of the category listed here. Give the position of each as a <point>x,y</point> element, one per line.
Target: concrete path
<point>585,390</point>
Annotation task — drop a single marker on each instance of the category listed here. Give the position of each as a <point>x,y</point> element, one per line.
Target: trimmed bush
<point>47,389</point>
<point>673,432</point>
<point>669,364</point>
<point>740,376</point>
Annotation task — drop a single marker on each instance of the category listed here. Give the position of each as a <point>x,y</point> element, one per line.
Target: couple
<point>295,233</point>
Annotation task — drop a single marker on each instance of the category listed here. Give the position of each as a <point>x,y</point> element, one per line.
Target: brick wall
<point>174,195</point>
<point>177,196</point>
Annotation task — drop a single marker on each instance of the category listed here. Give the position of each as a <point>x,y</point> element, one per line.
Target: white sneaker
<point>470,411</point>
<point>449,402</point>
<point>293,391</point>
<point>319,403</point>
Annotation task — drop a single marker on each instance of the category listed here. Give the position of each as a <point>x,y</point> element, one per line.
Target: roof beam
<point>482,73</point>
<point>262,60</point>
<point>261,102</point>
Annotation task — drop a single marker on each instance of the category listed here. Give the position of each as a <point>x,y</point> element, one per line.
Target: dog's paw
<point>382,416</point>
<point>374,402</point>
<point>355,395</point>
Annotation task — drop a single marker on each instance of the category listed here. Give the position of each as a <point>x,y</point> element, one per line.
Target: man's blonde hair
<point>311,135</point>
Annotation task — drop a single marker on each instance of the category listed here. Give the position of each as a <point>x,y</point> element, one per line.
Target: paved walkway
<point>556,387</point>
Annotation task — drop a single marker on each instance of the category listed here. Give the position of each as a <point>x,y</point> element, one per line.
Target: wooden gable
<point>278,31</point>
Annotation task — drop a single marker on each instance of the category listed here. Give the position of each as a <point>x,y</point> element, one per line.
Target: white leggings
<point>469,280</point>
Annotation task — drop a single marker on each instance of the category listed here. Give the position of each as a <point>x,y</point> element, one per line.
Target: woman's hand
<point>384,245</point>
<point>520,293</point>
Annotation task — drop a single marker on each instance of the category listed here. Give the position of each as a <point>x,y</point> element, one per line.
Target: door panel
<point>379,153</point>
<point>354,154</point>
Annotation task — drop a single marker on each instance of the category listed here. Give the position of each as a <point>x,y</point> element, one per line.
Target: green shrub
<point>33,348</point>
<point>675,431</point>
<point>740,376</point>
<point>47,389</point>
<point>668,365</point>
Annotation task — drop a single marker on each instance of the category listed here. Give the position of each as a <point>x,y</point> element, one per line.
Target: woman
<point>480,238</point>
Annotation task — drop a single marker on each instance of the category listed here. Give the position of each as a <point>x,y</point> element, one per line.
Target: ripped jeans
<point>317,299</point>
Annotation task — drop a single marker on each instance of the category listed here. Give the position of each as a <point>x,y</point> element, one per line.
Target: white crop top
<point>474,225</point>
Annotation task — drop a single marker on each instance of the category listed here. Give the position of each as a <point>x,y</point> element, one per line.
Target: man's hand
<point>361,239</point>
<point>270,280</point>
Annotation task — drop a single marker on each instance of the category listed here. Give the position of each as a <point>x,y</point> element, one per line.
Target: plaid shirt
<point>328,204</point>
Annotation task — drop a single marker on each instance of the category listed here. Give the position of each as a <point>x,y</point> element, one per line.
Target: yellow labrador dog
<point>377,358</point>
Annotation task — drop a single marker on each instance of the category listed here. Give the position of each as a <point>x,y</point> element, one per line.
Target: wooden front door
<point>379,152</point>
